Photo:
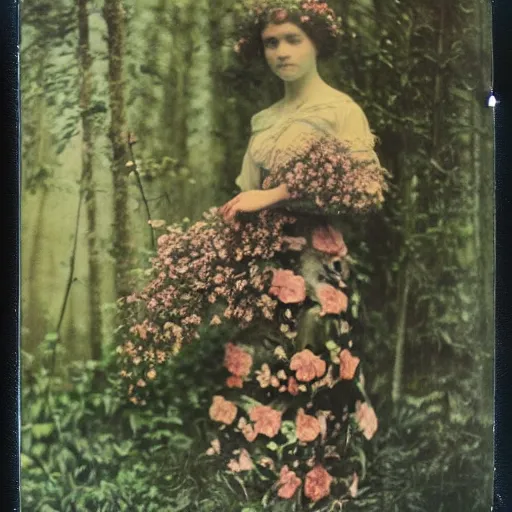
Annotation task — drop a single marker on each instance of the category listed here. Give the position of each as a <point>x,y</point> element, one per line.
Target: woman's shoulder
<point>265,117</point>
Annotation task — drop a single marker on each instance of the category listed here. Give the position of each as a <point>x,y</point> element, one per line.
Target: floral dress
<point>291,417</point>
<point>294,416</point>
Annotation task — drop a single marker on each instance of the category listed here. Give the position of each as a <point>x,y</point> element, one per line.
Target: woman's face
<point>290,53</point>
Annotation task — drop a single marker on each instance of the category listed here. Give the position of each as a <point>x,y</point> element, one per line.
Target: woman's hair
<point>314,17</point>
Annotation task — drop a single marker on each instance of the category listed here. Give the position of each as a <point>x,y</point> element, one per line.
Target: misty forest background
<point>92,71</point>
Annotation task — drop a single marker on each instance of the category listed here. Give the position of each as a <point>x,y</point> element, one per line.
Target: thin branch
<point>131,142</point>
<point>67,291</point>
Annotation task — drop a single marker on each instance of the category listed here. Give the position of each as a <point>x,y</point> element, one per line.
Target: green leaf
<point>134,423</point>
<point>331,345</point>
<point>25,461</point>
<point>272,446</point>
<point>40,430</point>
<point>39,449</point>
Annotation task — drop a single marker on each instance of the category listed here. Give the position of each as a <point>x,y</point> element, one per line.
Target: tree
<point>85,60</point>
<point>115,17</point>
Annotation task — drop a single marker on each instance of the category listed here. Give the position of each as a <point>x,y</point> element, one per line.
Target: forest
<point>136,110</point>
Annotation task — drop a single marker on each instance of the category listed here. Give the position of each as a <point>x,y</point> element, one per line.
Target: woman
<point>292,55</point>
<point>293,415</point>
<point>292,40</point>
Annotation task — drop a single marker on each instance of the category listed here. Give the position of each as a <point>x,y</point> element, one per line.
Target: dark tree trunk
<point>85,60</point>
<point>121,250</point>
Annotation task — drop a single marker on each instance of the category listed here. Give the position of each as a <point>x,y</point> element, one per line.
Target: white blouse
<point>277,134</point>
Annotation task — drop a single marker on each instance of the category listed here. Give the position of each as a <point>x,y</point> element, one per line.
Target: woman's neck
<point>303,89</point>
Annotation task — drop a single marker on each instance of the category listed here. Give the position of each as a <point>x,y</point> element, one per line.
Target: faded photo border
<point>502,84</point>
<point>9,358</point>
<point>9,256</point>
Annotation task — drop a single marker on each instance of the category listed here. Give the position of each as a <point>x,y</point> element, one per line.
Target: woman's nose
<point>282,52</point>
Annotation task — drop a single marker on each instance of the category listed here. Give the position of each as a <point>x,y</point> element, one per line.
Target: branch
<point>67,291</point>
<point>131,141</point>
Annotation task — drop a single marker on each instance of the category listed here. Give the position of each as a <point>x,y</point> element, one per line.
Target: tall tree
<point>114,14</point>
<point>85,59</point>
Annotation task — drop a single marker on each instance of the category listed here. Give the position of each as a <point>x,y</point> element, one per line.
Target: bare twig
<point>131,141</point>
<point>67,291</point>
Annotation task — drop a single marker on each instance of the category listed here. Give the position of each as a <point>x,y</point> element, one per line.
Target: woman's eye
<point>271,43</point>
<point>294,40</point>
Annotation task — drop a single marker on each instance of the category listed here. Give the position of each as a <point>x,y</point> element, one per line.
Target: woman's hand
<point>252,201</point>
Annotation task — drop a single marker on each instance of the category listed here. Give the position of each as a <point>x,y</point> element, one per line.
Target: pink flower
<point>318,484</point>
<point>222,410</point>
<point>266,462</point>
<point>293,386</point>
<point>332,300</point>
<point>247,430</point>
<point>326,239</point>
<point>295,243</point>
<point>234,382</point>
<point>348,365</point>
<point>264,375</point>
<point>366,419</point>
<point>289,482</point>
<point>244,462</point>
<point>307,365</point>
<point>279,15</point>
<point>267,420</point>
<point>308,427</point>
<point>215,320</point>
<point>354,486</point>
<point>288,287</point>
<point>214,448</point>
<point>237,360</point>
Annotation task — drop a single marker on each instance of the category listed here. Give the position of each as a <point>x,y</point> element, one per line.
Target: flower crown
<point>256,11</point>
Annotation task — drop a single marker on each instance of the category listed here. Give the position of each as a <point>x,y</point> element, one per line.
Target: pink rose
<point>308,427</point>
<point>289,482</point>
<point>333,301</point>
<point>318,484</point>
<point>366,419</point>
<point>348,365</point>
<point>267,421</point>
<point>222,410</point>
<point>237,360</point>
<point>326,239</point>
<point>234,382</point>
<point>293,386</point>
<point>307,365</point>
<point>288,287</point>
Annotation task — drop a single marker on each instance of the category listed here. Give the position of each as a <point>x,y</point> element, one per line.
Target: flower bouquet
<point>206,275</point>
<point>331,177</point>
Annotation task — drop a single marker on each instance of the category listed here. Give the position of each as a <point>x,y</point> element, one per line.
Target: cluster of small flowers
<point>309,10</point>
<point>208,274</point>
<point>253,434</point>
<point>331,175</point>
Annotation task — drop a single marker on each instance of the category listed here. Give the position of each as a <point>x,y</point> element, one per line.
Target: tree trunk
<point>85,60</point>
<point>115,18</point>
<point>403,285</point>
<point>201,152</point>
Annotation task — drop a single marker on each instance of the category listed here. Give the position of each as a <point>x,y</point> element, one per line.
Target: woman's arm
<point>253,200</point>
